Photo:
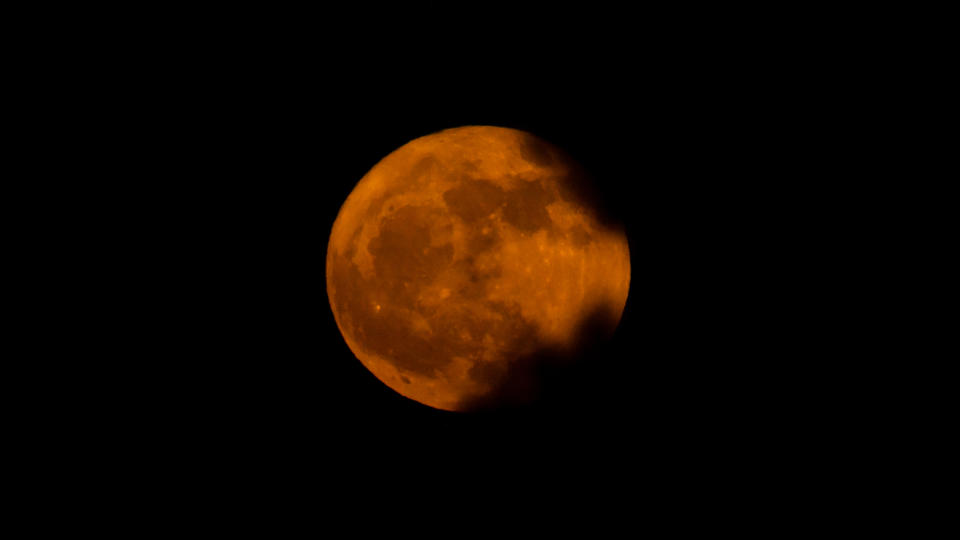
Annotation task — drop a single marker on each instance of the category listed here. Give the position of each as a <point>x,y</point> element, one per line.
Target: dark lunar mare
<point>405,262</point>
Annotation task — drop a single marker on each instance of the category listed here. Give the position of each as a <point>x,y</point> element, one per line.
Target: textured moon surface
<point>463,255</point>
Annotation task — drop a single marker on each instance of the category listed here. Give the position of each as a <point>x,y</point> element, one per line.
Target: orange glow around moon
<point>461,255</point>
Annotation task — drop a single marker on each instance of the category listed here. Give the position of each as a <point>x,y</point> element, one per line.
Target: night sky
<point>219,150</point>
<point>664,165</point>
<point>701,356</point>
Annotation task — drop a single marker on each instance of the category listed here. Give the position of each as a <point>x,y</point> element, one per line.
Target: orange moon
<point>465,253</point>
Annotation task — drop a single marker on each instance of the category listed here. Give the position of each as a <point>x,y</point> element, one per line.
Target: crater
<point>475,278</point>
<point>376,205</point>
<point>483,237</point>
<point>578,235</point>
<point>389,335</point>
<point>387,332</point>
<point>473,199</point>
<point>422,169</point>
<point>526,207</point>
<point>404,257</point>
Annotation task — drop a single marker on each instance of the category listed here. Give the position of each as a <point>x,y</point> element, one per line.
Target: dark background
<point>205,157</point>
<point>248,157</point>
<point>693,170</point>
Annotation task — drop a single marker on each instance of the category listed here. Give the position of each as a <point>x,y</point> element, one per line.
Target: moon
<point>465,258</point>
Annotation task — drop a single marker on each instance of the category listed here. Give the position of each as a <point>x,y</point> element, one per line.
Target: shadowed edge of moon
<point>550,376</point>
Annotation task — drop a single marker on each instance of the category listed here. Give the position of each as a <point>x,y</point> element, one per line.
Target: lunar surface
<point>465,254</point>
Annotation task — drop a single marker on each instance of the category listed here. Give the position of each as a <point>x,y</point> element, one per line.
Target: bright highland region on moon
<point>464,253</point>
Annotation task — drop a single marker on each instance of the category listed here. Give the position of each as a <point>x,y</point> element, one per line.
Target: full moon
<point>465,258</point>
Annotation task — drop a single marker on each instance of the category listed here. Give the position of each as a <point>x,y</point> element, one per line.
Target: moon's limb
<point>463,251</point>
